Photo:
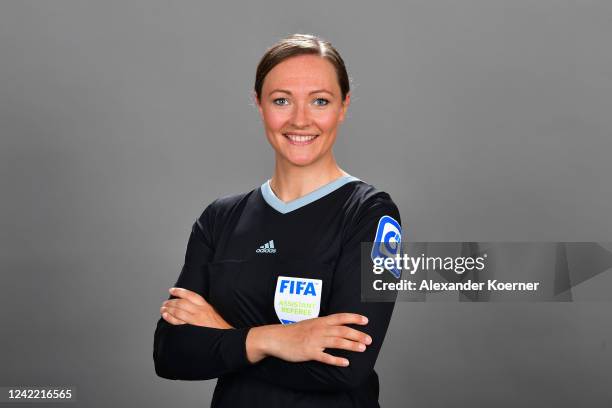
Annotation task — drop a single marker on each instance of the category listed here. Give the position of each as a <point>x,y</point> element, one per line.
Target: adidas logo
<point>267,248</point>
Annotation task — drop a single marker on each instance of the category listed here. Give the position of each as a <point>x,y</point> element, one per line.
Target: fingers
<point>171,319</point>
<point>189,295</point>
<point>344,344</point>
<point>350,334</point>
<point>182,304</point>
<point>331,360</point>
<point>177,313</point>
<point>339,319</point>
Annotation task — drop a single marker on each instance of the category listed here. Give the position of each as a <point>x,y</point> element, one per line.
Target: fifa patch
<point>297,299</point>
<point>388,241</point>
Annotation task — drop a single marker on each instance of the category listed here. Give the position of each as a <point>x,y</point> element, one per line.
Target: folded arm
<point>191,352</point>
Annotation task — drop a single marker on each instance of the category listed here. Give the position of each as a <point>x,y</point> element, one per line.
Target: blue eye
<point>322,101</point>
<point>282,103</point>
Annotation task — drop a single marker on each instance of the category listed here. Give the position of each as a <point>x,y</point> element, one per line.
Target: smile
<point>300,140</point>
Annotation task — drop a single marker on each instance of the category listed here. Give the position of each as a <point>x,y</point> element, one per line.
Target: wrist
<point>260,342</point>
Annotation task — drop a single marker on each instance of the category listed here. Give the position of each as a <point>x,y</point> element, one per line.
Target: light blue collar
<point>284,207</point>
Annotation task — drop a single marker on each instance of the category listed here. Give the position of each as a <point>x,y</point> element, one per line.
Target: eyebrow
<point>310,93</point>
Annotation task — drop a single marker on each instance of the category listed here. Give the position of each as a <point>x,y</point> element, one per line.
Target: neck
<point>290,182</point>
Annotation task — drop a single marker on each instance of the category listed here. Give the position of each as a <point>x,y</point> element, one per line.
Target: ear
<point>345,105</point>
<point>257,103</point>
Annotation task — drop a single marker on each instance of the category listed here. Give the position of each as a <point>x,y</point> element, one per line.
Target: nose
<point>301,117</point>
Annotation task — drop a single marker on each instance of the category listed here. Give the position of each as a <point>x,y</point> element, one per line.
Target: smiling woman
<point>302,106</point>
<point>302,92</point>
<point>268,299</point>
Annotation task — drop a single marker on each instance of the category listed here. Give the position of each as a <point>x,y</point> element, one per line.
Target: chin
<point>301,162</point>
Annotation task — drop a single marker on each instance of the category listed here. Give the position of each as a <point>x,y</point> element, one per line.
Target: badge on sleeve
<point>388,241</point>
<point>297,299</point>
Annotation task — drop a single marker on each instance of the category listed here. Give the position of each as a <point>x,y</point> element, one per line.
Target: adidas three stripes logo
<point>267,248</point>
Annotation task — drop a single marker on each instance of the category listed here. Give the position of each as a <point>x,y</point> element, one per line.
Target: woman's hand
<point>191,308</point>
<point>307,340</point>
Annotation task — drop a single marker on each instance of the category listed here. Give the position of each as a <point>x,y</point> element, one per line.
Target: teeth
<point>301,138</point>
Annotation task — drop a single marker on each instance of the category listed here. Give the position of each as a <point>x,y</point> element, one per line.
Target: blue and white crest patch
<point>388,241</point>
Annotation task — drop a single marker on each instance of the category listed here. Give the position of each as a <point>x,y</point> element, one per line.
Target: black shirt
<point>260,261</point>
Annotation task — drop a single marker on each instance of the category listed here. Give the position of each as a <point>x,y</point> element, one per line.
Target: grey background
<point>121,120</point>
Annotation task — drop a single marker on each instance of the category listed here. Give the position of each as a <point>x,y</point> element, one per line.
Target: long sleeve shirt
<point>259,261</point>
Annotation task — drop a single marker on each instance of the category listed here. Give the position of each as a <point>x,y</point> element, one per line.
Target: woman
<point>268,299</point>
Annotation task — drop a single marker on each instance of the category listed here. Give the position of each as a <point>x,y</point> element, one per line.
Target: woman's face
<point>301,108</point>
